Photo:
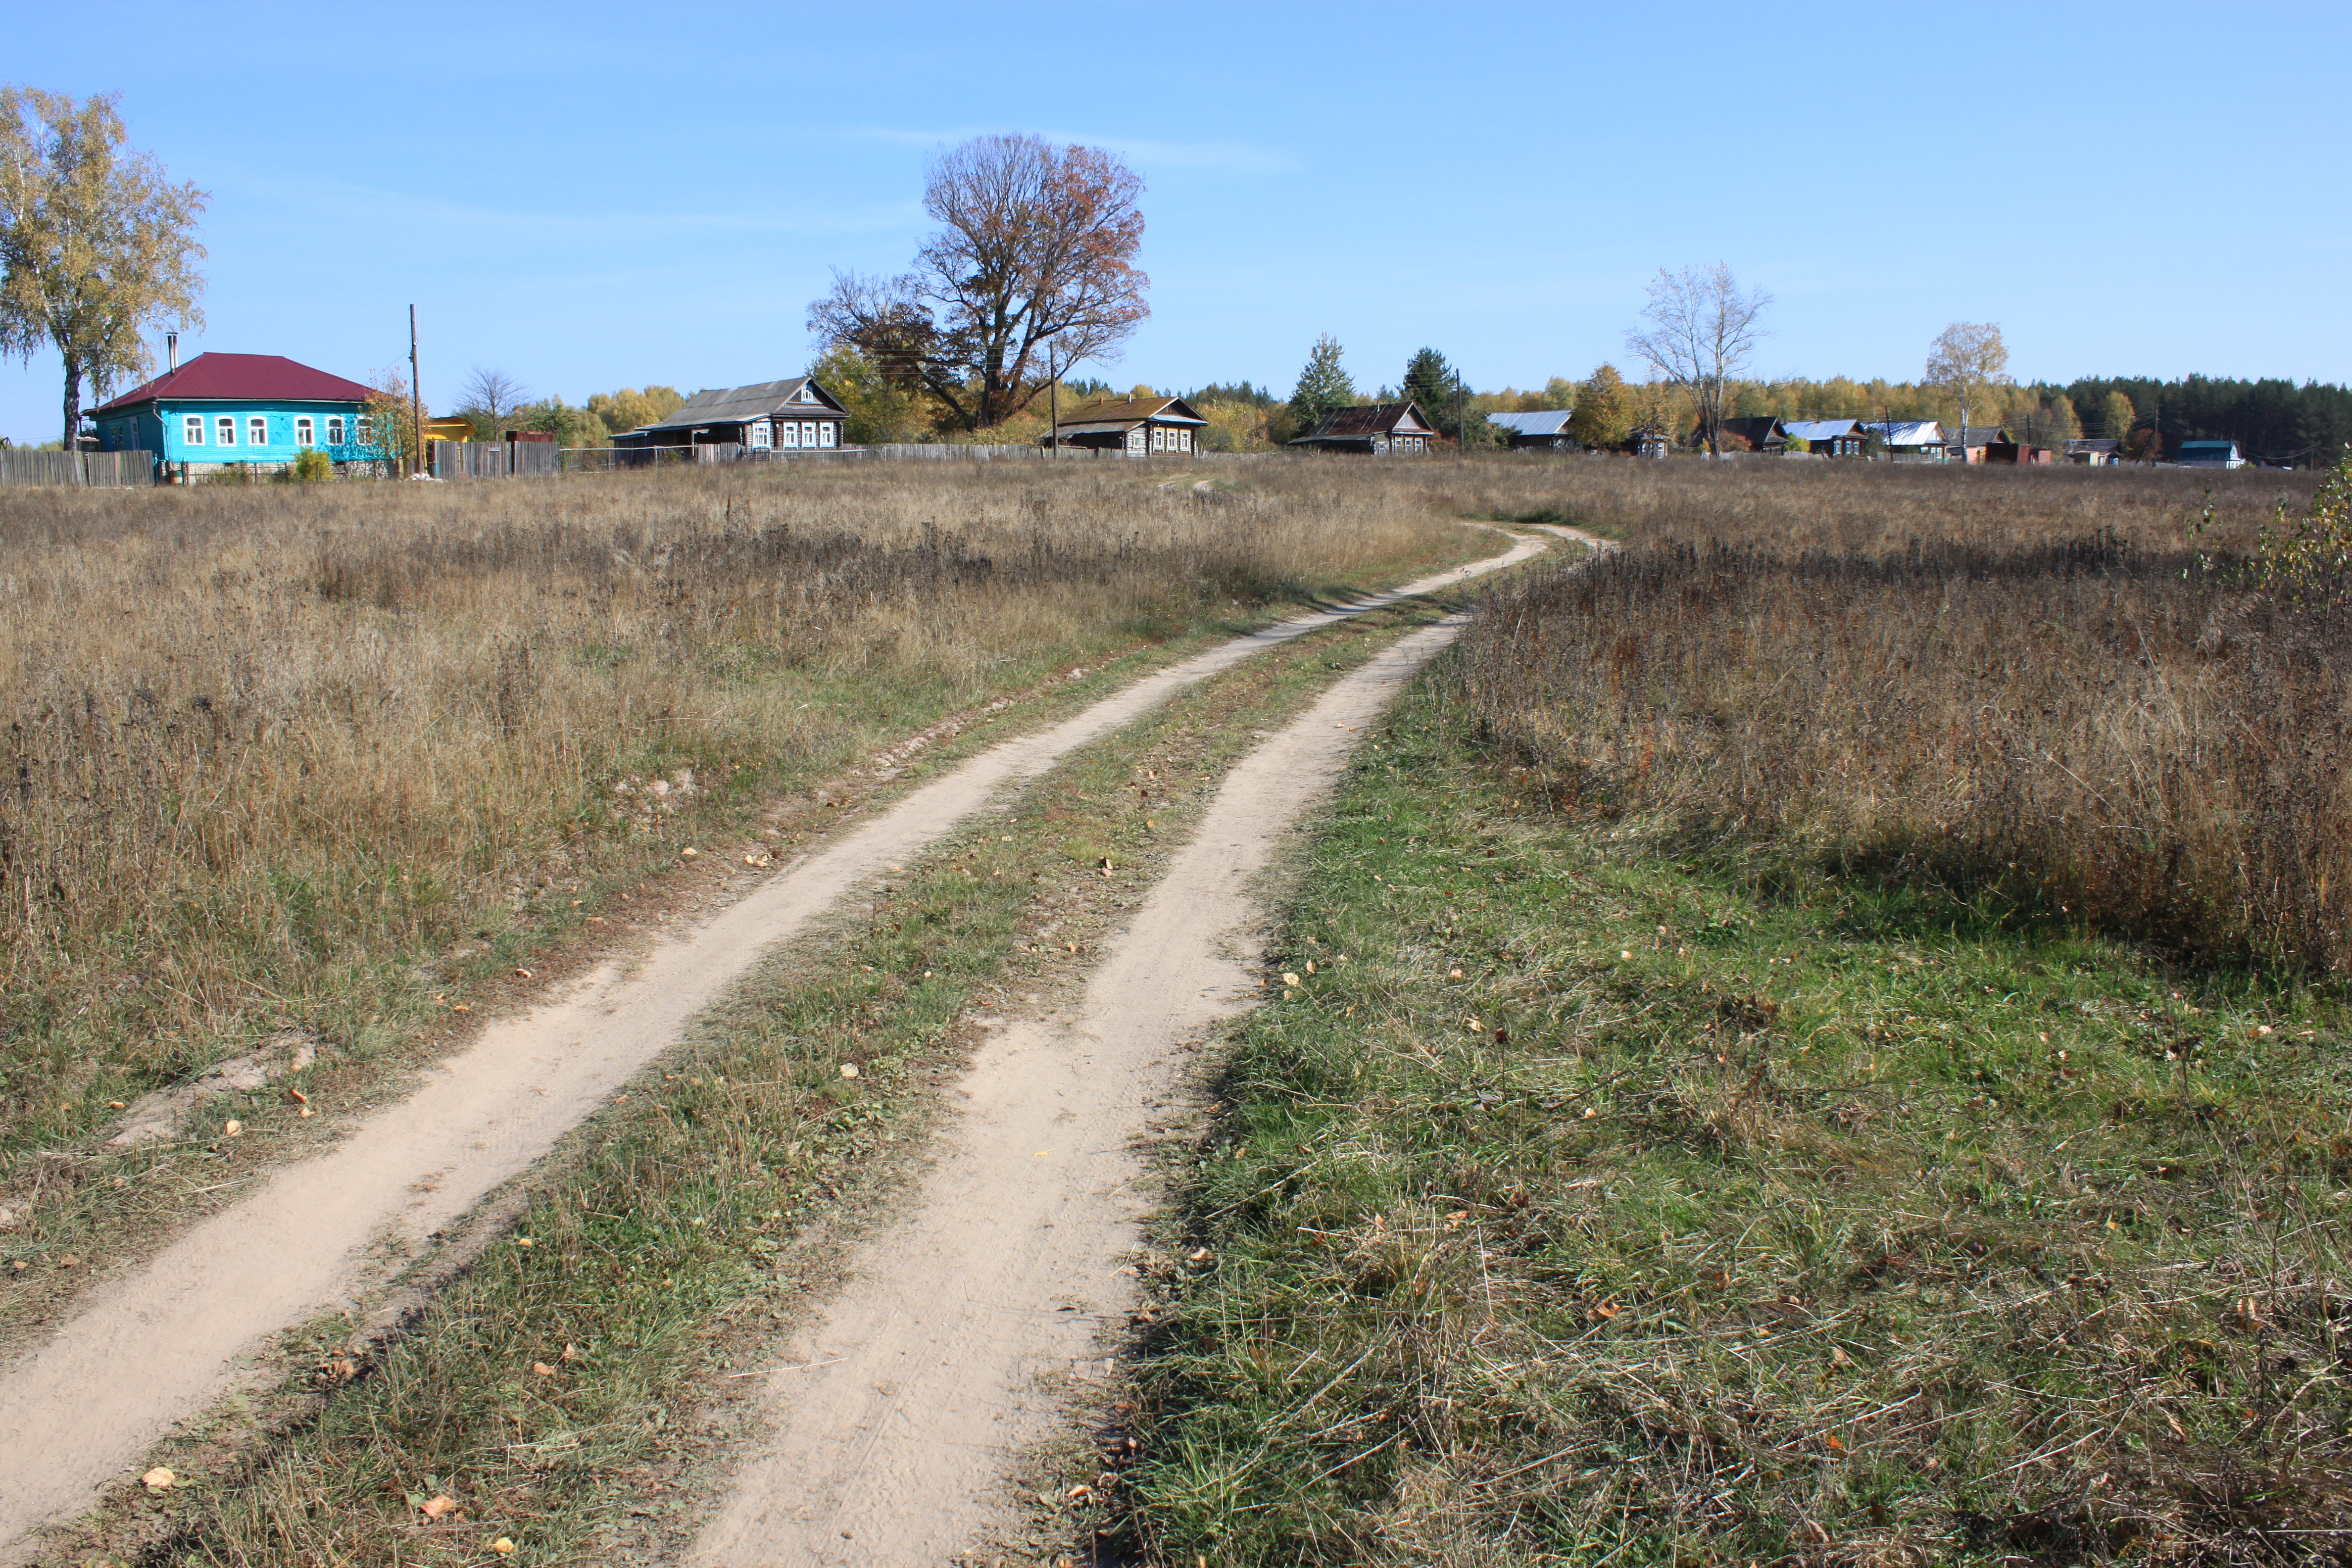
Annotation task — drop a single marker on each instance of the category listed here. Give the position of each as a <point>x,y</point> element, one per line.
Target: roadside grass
<point>571,1390</point>
<point>375,860</point>
<point>1604,1195</point>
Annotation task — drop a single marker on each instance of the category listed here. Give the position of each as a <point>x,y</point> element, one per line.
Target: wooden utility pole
<point>416,399</point>
<point>1054,405</point>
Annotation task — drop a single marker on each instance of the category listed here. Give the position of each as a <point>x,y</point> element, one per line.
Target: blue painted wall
<point>162,428</point>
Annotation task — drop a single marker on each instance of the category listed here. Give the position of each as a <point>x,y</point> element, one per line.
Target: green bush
<point>309,466</point>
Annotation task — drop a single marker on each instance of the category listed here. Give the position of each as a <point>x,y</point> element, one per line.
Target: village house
<point>793,415</point>
<point>1828,437</point>
<point>1759,432</point>
<point>2208,455</point>
<point>221,409</point>
<point>1911,440</point>
<point>1136,426</point>
<point>1970,444</point>
<point>2092,451</point>
<point>1382,429</point>
<point>1543,429</point>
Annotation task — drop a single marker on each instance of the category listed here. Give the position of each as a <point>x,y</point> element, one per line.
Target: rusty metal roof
<point>1371,419</point>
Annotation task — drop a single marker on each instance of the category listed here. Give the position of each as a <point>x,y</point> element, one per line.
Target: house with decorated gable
<point>794,414</point>
<point>221,410</point>
<point>1136,426</point>
<point>1382,429</point>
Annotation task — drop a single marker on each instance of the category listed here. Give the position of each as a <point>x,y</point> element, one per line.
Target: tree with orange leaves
<point>1034,256</point>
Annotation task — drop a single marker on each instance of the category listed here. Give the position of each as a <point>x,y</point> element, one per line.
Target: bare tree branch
<point>1702,330</point>
<point>1035,248</point>
<point>494,392</point>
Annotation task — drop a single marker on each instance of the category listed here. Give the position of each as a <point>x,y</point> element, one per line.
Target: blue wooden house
<point>220,409</point>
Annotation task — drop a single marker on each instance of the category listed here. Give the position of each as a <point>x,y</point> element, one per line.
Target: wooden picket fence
<point>77,470</point>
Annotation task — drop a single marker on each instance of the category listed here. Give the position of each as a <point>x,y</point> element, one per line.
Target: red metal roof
<point>244,378</point>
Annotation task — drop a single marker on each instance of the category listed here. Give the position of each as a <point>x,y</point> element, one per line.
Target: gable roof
<point>242,378</point>
<point>1107,414</point>
<point>1755,429</point>
<point>1537,422</point>
<point>736,405</point>
<point>1908,432</point>
<point>1823,429</point>
<point>1978,435</point>
<point>2092,444</point>
<point>1371,419</point>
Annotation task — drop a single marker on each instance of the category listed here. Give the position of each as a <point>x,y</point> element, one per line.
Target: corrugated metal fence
<point>494,460</point>
<point>94,470</point>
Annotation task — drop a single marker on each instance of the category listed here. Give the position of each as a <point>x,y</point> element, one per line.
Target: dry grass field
<point>268,747</point>
<point>2054,687</point>
<point>1752,1082</point>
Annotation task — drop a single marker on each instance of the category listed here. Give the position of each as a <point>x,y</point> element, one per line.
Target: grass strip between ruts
<point>1594,1198</point>
<point>558,1391</point>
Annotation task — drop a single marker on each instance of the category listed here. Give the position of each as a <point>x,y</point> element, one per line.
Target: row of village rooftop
<point>222,409</point>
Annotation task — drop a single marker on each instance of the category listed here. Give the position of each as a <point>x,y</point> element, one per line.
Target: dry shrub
<point>261,742</point>
<point>2103,720</point>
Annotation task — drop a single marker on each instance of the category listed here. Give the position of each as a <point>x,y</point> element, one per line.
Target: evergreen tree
<point>1429,382</point>
<point>1604,414</point>
<point>1323,387</point>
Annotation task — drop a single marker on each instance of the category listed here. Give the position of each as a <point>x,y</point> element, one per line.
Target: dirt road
<point>899,1413</point>
<point>164,1341</point>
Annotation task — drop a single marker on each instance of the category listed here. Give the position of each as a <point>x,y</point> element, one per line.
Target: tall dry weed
<point>2138,735</point>
<point>262,744</point>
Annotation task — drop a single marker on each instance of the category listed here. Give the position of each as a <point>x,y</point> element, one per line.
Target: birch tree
<point>1968,359</point>
<point>1702,330</point>
<point>1035,252</point>
<point>96,245</point>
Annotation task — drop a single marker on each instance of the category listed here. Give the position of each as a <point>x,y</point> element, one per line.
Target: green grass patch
<point>1595,1200</point>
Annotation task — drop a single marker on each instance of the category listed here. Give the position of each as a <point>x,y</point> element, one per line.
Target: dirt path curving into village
<point>900,1412</point>
<point>160,1343</point>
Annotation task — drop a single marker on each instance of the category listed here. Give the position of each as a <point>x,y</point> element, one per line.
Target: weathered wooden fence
<point>92,471</point>
<point>494,460</point>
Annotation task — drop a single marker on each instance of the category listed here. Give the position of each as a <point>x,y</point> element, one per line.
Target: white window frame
<point>788,434</point>
<point>306,430</point>
<point>225,428</point>
<point>824,432</point>
<point>808,433</point>
<point>191,430</point>
<point>257,430</point>
<point>334,429</point>
<point>763,432</point>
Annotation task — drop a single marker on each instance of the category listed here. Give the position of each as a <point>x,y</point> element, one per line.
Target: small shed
<point>1650,443</point>
<point>1828,438</point>
<point>791,416</point>
<point>2092,451</point>
<point>1136,426</point>
<point>1382,429</point>
<point>1542,429</point>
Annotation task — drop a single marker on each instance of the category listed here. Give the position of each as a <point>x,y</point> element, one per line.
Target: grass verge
<point>567,1393</point>
<point>1599,1198</point>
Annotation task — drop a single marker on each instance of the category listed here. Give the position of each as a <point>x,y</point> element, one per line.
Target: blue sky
<point>591,196</point>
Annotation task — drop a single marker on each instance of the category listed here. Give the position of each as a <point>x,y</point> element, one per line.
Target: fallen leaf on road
<point>232,1127</point>
<point>570,1353</point>
<point>158,1480</point>
<point>849,1069</point>
<point>437,1507</point>
<point>541,1368</point>
<point>502,1546</point>
<point>1290,980</point>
